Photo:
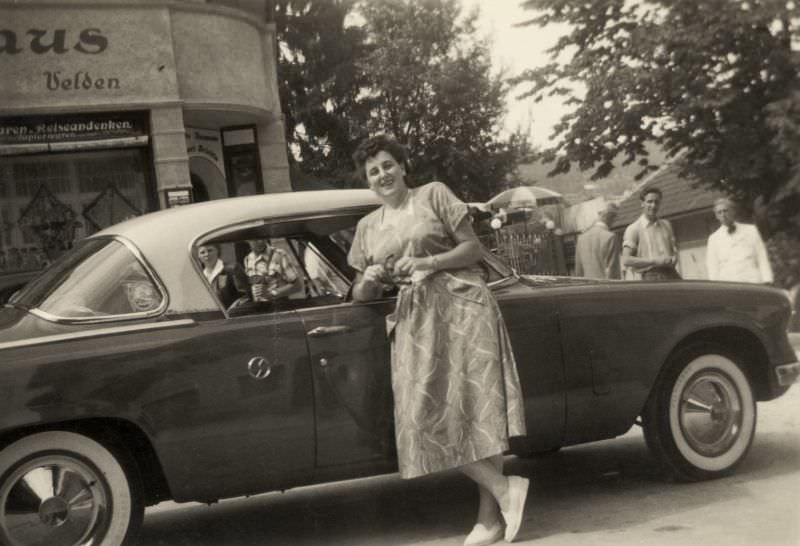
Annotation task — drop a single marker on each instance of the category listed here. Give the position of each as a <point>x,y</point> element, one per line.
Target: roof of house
<point>681,195</point>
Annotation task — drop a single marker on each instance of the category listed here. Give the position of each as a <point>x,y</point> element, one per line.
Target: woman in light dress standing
<point>457,397</point>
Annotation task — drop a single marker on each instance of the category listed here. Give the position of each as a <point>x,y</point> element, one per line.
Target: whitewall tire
<point>700,419</point>
<point>65,489</point>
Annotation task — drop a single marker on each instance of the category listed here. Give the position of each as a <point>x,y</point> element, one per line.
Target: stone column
<point>272,133</point>
<point>272,151</point>
<point>168,138</point>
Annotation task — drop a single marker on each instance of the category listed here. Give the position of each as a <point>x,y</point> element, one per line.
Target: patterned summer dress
<point>457,397</point>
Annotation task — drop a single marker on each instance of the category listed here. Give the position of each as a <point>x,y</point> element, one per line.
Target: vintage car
<point>124,381</point>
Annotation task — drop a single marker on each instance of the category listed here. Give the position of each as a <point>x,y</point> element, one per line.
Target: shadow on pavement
<point>605,486</point>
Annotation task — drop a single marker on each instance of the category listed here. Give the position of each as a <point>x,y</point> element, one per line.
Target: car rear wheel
<point>700,419</point>
<point>65,489</point>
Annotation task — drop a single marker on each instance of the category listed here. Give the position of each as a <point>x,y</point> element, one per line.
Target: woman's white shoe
<point>482,535</point>
<point>517,493</point>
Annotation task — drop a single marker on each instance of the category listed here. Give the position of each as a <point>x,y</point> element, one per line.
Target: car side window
<point>285,266</point>
<point>110,282</point>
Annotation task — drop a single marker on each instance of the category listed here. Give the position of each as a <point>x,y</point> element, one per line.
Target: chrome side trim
<point>100,332</point>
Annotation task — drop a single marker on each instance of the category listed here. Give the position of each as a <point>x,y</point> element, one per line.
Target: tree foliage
<point>410,68</point>
<point>434,90</point>
<point>320,83</point>
<point>717,79</point>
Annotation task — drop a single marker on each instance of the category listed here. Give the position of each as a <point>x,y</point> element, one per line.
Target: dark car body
<point>199,403</point>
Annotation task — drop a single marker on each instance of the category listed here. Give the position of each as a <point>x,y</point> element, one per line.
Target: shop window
<point>59,199</point>
<point>29,177</point>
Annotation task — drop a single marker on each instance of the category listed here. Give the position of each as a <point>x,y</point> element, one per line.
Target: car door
<point>234,407</point>
<point>532,324</point>
<point>349,355</point>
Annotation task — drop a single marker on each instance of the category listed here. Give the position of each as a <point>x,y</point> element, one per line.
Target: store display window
<point>50,201</point>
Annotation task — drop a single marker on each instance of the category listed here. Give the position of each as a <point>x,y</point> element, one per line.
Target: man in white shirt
<point>736,251</point>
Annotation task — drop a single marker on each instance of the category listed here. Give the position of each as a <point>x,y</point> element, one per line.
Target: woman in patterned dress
<point>457,397</point>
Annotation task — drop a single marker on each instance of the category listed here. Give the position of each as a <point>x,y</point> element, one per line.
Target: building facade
<point>110,109</point>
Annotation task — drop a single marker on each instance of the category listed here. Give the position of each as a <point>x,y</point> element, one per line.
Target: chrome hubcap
<point>53,501</point>
<point>710,413</point>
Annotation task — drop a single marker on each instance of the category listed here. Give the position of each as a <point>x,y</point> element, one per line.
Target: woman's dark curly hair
<point>371,146</point>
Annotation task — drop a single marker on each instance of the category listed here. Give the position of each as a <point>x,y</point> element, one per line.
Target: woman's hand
<point>374,273</point>
<point>407,265</point>
<point>368,285</point>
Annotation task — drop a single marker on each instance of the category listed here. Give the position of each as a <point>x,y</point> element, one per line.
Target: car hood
<point>544,281</point>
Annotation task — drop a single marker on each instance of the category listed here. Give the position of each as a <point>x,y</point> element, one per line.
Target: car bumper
<point>788,373</point>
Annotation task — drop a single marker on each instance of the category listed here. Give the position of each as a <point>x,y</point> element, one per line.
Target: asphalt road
<point>602,493</point>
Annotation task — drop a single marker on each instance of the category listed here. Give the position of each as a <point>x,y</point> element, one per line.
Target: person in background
<point>736,251</point>
<point>228,280</point>
<point>597,248</point>
<point>648,246</point>
<point>271,275</point>
<point>456,390</point>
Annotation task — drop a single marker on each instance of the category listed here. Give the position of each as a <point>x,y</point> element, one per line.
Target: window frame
<point>122,317</point>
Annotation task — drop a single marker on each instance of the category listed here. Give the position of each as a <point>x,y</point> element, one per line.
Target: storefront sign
<point>206,144</point>
<point>78,81</point>
<point>63,54</point>
<point>90,41</point>
<point>29,130</point>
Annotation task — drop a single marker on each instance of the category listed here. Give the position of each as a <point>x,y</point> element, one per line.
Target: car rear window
<point>99,278</point>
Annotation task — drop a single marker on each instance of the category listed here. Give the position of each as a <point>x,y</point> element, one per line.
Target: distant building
<point>111,109</point>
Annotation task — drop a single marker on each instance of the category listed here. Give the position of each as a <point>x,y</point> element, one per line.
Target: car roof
<point>187,222</point>
<point>165,237</point>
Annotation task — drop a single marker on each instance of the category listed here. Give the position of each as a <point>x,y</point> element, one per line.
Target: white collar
<point>736,228</point>
<point>218,267</point>
<point>647,222</point>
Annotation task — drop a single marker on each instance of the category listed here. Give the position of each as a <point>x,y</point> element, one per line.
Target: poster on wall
<point>179,197</point>
<point>205,144</point>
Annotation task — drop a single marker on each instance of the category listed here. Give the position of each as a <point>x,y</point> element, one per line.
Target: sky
<point>516,49</point>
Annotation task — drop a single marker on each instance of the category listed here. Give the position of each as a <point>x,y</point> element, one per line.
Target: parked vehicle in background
<point>124,381</point>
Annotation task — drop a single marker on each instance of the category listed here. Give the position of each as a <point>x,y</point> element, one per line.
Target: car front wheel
<point>700,420</point>
<point>64,489</point>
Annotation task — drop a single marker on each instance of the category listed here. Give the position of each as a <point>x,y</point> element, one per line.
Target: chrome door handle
<point>320,331</point>
<point>259,367</point>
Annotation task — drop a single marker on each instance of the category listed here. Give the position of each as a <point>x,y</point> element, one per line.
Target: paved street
<point>602,493</point>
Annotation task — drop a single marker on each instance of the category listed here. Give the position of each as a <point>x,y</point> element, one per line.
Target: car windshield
<point>100,277</point>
